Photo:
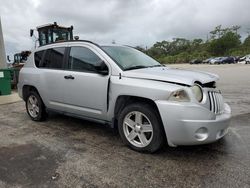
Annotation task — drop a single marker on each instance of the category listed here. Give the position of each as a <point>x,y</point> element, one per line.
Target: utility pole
<point>3,62</point>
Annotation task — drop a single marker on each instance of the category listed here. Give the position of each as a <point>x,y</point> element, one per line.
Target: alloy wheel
<point>33,107</point>
<point>138,129</point>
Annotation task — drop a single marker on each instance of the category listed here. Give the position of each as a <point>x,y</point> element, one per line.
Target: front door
<point>85,91</point>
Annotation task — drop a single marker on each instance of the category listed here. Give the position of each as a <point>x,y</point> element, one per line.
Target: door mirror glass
<point>31,32</point>
<point>8,58</point>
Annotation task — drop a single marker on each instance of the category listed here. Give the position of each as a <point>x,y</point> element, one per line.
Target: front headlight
<point>180,96</point>
<point>198,93</point>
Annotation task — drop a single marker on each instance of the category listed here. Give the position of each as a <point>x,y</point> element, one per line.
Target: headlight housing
<point>179,96</point>
<point>197,91</point>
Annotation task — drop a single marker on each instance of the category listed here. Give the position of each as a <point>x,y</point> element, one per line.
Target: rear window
<point>38,57</point>
<point>51,58</point>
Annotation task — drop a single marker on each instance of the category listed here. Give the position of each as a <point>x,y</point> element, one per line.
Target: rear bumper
<point>192,124</point>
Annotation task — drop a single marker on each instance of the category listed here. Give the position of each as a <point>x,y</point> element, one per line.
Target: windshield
<point>129,58</point>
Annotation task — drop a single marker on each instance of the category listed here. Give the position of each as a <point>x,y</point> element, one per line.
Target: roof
<point>53,25</point>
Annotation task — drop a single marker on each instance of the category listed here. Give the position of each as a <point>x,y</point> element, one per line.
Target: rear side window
<point>54,58</point>
<point>83,59</point>
<point>38,58</point>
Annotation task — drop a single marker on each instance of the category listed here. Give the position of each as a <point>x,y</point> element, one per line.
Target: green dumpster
<point>5,81</point>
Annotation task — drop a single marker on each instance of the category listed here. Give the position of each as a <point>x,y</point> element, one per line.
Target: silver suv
<point>120,86</point>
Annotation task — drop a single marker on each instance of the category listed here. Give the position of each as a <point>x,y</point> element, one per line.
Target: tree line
<point>222,42</point>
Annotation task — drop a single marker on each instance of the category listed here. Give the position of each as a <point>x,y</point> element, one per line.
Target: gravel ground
<point>68,152</point>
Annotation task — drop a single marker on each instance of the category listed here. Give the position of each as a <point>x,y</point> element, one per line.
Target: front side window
<point>54,58</point>
<point>83,59</point>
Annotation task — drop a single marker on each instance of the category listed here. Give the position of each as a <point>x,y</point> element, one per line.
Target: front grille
<point>209,85</point>
<point>216,102</point>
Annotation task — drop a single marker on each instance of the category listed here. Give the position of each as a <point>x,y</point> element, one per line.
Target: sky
<point>131,22</point>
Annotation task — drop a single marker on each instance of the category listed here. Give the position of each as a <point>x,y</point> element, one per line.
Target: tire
<point>140,132</point>
<point>38,108</point>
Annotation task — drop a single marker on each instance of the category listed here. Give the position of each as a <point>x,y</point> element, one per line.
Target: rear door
<point>86,91</point>
<point>52,68</point>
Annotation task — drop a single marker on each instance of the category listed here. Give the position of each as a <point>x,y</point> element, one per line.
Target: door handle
<point>69,77</point>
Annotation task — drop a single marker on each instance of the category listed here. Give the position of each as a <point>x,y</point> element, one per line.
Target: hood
<point>173,75</point>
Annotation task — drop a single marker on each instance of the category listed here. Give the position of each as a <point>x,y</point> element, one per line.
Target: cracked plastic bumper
<point>191,124</point>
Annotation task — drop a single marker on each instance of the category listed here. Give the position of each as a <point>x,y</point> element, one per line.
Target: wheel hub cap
<point>138,129</point>
<point>33,107</point>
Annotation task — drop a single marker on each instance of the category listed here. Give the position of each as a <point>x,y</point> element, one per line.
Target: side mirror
<point>8,58</point>
<point>31,32</point>
<point>101,68</point>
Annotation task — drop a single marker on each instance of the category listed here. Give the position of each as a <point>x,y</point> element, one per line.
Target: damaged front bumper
<point>192,124</point>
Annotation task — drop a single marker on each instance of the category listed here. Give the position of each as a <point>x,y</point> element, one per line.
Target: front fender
<point>149,89</point>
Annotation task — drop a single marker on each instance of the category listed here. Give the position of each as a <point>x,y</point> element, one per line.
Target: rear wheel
<point>140,127</point>
<point>35,107</point>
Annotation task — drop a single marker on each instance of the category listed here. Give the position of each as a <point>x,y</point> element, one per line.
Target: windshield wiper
<point>141,67</point>
<point>156,66</point>
<point>135,67</point>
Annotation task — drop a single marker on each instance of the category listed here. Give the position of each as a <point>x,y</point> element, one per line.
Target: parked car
<point>229,60</point>
<point>216,60</point>
<point>222,60</point>
<point>247,59</point>
<point>196,61</point>
<point>123,87</point>
<point>206,61</point>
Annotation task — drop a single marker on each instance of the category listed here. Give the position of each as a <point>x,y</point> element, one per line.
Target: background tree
<point>222,45</point>
<point>247,42</point>
<point>222,42</point>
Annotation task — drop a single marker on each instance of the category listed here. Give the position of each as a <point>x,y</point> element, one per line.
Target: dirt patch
<point>27,165</point>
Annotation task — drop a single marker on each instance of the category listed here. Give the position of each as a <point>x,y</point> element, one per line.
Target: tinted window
<point>38,58</point>
<point>83,59</point>
<point>54,58</point>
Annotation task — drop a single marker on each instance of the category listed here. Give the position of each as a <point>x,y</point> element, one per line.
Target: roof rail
<point>58,42</point>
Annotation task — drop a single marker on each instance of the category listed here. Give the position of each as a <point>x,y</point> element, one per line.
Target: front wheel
<point>35,107</point>
<point>140,127</point>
